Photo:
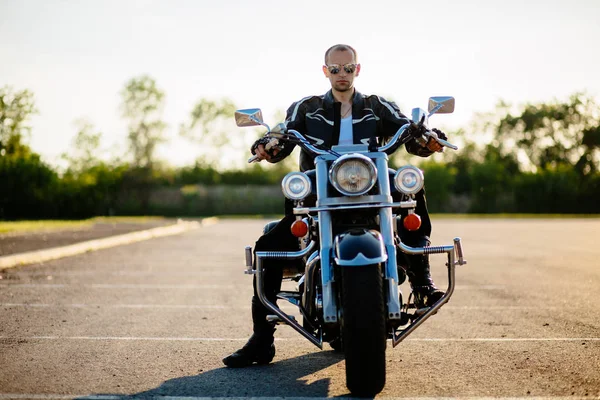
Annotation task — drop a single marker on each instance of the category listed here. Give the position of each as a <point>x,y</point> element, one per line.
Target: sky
<point>76,56</point>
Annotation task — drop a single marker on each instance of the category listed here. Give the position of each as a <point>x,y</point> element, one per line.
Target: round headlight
<point>295,186</point>
<point>353,174</point>
<point>409,179</point>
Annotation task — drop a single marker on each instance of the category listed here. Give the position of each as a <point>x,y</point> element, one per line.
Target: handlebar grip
<point>273,142</point>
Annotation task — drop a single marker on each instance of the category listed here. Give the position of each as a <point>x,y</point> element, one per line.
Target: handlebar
<point>299,139</point>
<point>399,136</point>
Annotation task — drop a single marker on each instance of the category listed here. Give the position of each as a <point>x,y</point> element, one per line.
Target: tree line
<point>538,158</point>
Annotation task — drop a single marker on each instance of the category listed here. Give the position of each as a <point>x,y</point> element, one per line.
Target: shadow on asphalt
<point>280,379</point>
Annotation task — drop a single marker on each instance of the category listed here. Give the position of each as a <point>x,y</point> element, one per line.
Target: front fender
<point>359,247</point>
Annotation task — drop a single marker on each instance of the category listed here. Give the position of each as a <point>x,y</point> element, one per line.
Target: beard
<point>344,87</point>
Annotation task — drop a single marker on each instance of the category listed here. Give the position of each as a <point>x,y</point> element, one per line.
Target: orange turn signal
<point>299,228</point>
<point>412,222</point>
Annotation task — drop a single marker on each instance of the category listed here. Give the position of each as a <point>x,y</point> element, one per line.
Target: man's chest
<point>322,127</point>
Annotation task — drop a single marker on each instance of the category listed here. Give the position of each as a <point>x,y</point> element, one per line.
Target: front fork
<point>330,309</point>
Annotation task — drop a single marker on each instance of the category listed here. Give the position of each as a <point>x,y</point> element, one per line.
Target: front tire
<point>363,329</point>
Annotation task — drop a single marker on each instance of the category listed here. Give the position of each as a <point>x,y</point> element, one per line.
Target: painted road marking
<point>283,305</point>
<point>75,305</point>
<point>44,255</point>
<point>117,397</point>
<point>209,339</point>
<point>114,286</point>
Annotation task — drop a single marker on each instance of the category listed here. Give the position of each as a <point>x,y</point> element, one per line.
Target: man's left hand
<point>433,145</point>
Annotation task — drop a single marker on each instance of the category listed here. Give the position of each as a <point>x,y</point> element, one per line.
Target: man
<point>341,116</point>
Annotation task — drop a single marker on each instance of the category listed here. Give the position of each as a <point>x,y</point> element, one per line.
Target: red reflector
<point>299,228</point>
<point>412,222</point>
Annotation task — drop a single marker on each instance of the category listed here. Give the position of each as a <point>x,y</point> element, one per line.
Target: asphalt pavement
<point>153,318</point>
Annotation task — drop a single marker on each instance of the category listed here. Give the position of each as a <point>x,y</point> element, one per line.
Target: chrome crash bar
<point>454,252</point>
<point>286,255</point>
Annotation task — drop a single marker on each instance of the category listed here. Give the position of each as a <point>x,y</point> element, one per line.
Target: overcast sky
<point>77,55</point>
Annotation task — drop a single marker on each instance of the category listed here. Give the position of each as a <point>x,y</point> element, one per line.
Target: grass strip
<point>56,225</point>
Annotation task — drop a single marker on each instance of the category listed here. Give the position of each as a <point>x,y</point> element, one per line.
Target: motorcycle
<point>346,223</point>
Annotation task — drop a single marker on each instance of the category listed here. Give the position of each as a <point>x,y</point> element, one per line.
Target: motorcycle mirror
<point>441,105</point>
<point>249,117</point>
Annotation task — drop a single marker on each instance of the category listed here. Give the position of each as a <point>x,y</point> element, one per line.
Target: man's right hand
<point>265,148</point>
<point>263,154</point>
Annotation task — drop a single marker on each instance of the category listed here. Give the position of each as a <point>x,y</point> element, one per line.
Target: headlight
<point>295,186</point>
<point>409,179</point>
<point>353,174</point>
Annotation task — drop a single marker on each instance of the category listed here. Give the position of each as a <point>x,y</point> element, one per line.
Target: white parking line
<point>159,286</point>
<point>216,339</point>
<point>198,272</point>
<point>39,256</point>
<point>151,306</point>
<point>282,305</point>
<point>16,396</point>
<point>113,286</point>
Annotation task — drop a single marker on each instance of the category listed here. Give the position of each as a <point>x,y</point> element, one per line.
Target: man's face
<point>343,80</point>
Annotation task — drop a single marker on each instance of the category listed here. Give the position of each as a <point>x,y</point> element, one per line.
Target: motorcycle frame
<point>325,206</point>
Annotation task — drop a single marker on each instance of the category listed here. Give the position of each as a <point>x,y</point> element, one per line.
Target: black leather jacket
<point>318,118</point>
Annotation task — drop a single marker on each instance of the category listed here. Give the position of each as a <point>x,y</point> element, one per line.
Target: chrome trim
<point>286,255</point>
<point>387,228</point>
<point>394,139</point>
<point>337,164</point>
<point>402,204</point>
<point>309,279</point>
<point>425,250</point>
<point>330,308</point>
<point>403,170</point>
<point>285,185</point>
<point>249,268</point>
<point>397,337</point>
<point>338,201</point>
<point>459,252</point>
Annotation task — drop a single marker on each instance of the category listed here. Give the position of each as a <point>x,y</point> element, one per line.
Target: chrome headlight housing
<point>409,179</point>
<point>296,186</point>
<point>353,174</point>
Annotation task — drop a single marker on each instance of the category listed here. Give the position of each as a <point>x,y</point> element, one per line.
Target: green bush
<point>549,191</point>
<point>28,188</point>
<point>439,180</point>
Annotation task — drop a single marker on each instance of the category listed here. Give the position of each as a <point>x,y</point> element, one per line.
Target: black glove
<point>275,144</point>
<point>263,140</point>
<point>440,134</point>
<point>416,130</point>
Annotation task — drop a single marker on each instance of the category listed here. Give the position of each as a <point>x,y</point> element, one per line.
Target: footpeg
<point>249,268</point>
<point>459,252</point>
<point>275,319</point>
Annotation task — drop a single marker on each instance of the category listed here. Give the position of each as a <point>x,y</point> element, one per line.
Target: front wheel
<point>363,329</point>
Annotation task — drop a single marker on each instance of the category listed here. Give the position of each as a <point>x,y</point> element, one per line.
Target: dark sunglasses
<point>336,68</point>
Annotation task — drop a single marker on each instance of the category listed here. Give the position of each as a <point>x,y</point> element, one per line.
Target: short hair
<point>341,47</point>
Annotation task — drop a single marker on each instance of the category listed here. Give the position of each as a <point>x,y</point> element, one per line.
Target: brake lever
<point>443,142</point>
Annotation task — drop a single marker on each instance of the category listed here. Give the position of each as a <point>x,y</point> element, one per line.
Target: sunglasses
<point>336,68</point>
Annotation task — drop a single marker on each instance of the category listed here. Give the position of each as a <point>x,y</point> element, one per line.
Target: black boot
<point>259,348</point>
<point>419,275</point>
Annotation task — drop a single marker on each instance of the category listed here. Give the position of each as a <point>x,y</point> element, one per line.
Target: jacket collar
<point>329,99</point>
